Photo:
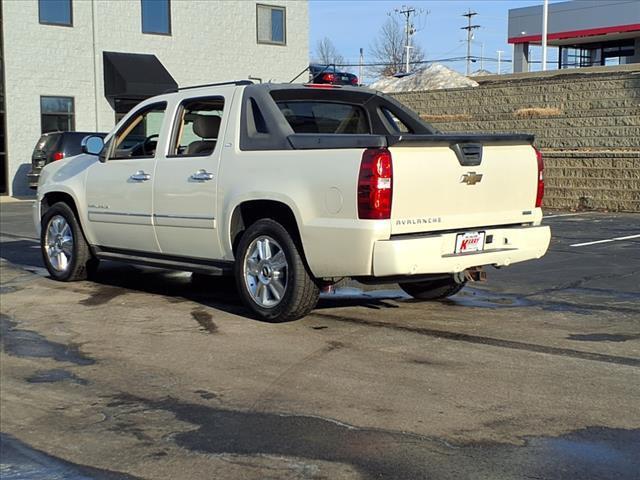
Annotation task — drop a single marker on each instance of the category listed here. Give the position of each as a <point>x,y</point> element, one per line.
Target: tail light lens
<point>375,184</point>
<point>58,156</point>
<point>354,80</point>
<point>329,77</point>
<point>540,192</point>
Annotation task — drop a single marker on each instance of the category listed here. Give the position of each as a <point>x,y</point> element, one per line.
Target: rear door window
<point>198,126</point>
<point>325,117</point>
<point>47,143</point>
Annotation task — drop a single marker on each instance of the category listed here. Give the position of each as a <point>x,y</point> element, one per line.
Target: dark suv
<point>328,74</point>
<point>54,146</point>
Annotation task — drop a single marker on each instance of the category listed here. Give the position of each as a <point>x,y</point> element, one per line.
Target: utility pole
<point>469,28</point>
<point>499,52</point>
<point>361,65</point>
<point>409,30</point>
<point>545,17</point>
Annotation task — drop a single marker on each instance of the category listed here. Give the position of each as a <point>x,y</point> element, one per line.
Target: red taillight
<point>58,156</point>
<point>329,77</point>
<point>354,80</point>
<point>540,192</point>
<point>375,184</point>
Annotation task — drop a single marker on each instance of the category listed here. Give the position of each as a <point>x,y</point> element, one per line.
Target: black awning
<point>135,76</point>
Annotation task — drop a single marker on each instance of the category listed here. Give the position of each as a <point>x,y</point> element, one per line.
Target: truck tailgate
<point>433,190</point>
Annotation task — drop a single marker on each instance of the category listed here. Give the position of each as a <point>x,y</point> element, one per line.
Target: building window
<point>156,16</point>
<point>55,12</point>
<point>271,24</point>
<point>57,114</point>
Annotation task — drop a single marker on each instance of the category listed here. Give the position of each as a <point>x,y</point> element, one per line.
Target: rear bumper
<point>32,177</point>
<point>434,253</point>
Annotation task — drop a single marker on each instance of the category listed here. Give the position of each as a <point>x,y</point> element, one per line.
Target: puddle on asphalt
<point>4,289</point>
<point>357,293</point>
<point>27,343</point>
<point>586,454</point>
<point>21,462</point>
<point>473,297</point>
<point>602,337</point>
<point>55,375</point>
<point>469,297</point>
<point>205,320</point>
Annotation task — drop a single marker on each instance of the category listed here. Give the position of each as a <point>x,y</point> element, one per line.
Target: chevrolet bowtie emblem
<point>471,178</point>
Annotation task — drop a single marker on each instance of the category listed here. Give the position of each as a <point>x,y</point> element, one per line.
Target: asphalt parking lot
<point>146,374</point>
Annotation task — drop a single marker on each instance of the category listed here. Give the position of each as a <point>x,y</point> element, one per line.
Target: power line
<point>426,62</point>
<point>469,28</point>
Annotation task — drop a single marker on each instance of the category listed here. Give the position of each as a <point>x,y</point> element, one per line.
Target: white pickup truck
<point>291,188</point>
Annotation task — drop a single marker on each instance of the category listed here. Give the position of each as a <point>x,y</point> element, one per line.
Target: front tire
<point>65,251</point>
<point>271,274</point>
<point>433,289</point>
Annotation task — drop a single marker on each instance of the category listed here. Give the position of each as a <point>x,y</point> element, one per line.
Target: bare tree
<point>327,54</point>
<point>388,48</point>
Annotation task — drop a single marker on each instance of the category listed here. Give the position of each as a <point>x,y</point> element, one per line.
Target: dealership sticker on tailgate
<point>469,242</point>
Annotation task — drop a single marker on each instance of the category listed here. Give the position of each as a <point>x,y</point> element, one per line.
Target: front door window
<point>138,138</point>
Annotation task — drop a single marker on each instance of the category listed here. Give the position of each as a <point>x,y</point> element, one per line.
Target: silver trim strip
<point>187,217</point>
<point>124,214</point>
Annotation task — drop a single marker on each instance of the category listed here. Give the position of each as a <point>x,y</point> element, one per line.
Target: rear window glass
<point>47,142</point>
<point>394,122</point>
<point>325,117</point>
<point>72,143</point>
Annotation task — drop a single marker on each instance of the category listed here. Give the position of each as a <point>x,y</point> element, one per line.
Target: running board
<point>217,268</point>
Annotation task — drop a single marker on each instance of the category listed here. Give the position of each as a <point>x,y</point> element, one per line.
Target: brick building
<point>81,64</point>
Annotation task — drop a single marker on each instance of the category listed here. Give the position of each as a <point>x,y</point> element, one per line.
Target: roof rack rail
<point>235,82</point>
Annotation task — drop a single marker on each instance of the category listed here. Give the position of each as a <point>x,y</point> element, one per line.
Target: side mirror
<point>92,145</point>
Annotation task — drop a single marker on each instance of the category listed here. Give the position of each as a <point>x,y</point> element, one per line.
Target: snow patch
<point>433,77</point>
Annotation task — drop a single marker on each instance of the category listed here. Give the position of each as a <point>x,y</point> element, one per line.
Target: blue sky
<point>351,24</point>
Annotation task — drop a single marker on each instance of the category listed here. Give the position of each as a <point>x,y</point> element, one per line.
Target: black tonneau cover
<point>484,138</point>
<point>320,141</point>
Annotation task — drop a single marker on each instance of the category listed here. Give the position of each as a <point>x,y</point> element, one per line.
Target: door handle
<point>202,176</point>
<point>140,176</point>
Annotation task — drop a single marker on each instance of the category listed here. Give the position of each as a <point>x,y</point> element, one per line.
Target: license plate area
<point>469,242</point>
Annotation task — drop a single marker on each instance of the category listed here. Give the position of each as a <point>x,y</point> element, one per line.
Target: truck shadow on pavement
<point>113,279</point>
<point>216,292</point>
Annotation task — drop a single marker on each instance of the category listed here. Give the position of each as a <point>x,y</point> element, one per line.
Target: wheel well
<point>248,213</point>
<point>52,198</point>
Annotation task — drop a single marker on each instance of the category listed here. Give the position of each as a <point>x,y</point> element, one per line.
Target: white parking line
<point>565,215</point>
<point>616,239</point>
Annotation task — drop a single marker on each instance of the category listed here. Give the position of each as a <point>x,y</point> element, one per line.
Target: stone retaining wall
<point>593,180</point>
<point>587,124</point>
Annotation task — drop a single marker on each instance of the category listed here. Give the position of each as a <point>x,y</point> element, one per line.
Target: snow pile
<point>433,77</point>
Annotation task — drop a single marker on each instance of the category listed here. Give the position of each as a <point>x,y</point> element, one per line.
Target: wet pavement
<point>153,374</point>
<point>21,462</point>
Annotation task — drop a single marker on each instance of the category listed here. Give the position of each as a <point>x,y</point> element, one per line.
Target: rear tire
<point>272,277</point>
<point>65,251</point>
<point>433,289</point>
